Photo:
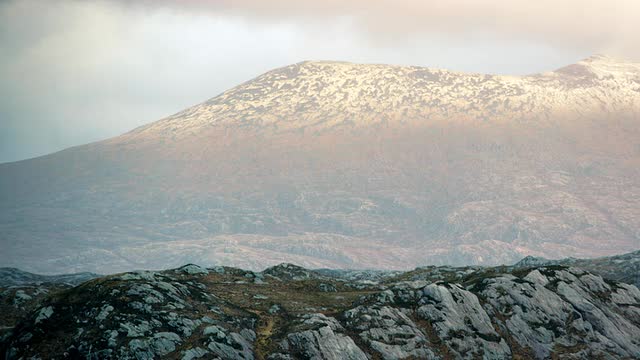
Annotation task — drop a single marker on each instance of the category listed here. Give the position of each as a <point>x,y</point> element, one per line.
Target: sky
<point>78,71</point>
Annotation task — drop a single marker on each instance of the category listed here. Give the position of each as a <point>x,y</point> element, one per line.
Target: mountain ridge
<point>265,101</point>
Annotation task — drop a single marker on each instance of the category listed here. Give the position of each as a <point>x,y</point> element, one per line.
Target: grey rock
<point>192,269</point>
<point>389,332</point>
<point>44,314</point>
<point>194,353</point>
<point>138,275</point>
<point>567,307</point>
<point>323,341</point>
<point>112,338</point>
<point>165,342</point>
<point>461,322</point>
<point>20,297</point>
<point>327,287</point>
<point>216,331</point>
<point>141,349</point>
<point>104,312</point>
<point>136,330</point>
<point>230,345</point>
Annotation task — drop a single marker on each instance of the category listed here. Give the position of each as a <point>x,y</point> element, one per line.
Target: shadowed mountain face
<point>340,165</point>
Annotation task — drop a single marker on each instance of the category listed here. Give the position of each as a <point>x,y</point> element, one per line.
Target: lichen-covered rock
<point>567,311</point>
<point>194,353</point>
<point>327,287</point>
<point>160,344</point>
<point>287,271</point>
<point>232,345</point>
<point>44,314</point>
<point>322,338</point>
<point>389,332</point>
<point>165,342</point>
<point>461,322</point>
<point>104,312</point>
<point>20,297</point>
<point>192,269</point>
<point>535,314</point>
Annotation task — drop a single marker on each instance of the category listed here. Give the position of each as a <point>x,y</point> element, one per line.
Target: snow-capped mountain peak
<point>324,95</point>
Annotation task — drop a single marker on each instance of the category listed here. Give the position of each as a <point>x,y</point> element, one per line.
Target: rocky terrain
<point>625,267</point>
<point>21,292</point>
<point>288,312</point>
<point>339,165</point>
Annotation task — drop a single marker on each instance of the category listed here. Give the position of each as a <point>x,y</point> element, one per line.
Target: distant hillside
<point>15,277</point>
<point>340,165</point>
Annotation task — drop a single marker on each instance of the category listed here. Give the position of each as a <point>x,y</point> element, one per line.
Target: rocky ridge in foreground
<point>624,268</point>
<point>288,312</point>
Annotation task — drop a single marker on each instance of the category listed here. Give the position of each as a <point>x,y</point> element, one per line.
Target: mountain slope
<point>340,165</point>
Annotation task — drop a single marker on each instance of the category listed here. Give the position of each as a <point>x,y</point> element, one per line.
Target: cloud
<point>610,26</point>
<point>74,72</point>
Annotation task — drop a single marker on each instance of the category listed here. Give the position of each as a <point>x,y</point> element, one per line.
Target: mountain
<point>339,165</point>
<point>289,312</point>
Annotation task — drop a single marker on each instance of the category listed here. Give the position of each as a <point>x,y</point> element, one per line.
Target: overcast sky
<point>73,72</point>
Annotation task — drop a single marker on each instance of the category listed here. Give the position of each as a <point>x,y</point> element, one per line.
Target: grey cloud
<point>609,26</point>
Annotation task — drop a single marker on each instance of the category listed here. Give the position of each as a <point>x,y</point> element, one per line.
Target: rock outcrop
<point>286,312</point>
